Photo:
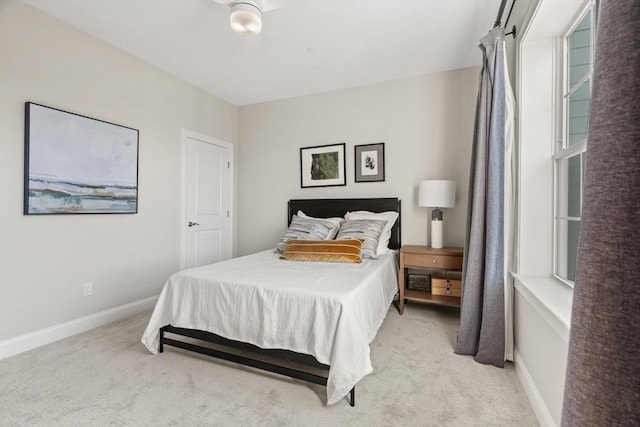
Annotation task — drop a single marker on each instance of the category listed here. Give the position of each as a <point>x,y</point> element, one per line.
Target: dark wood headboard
<point>326,208</point>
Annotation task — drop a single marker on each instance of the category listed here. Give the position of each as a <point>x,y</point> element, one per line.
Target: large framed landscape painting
<point>78,165</point>
<point>322,166</point>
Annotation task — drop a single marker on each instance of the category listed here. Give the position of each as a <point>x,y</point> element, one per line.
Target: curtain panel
<point>603,368</point>
<point>488,247</point>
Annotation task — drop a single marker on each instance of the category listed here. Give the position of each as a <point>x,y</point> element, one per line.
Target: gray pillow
<point>305,229</point>
<point>367,230</point>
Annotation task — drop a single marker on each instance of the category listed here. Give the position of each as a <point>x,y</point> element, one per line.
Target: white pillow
<point>335,221</point>
<point>390,217</point>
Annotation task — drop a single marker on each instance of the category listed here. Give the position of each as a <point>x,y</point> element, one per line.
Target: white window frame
<point>562,150</point>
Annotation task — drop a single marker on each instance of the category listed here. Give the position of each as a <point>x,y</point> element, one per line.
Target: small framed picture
<point>322,166</point>
<point>369,161</point>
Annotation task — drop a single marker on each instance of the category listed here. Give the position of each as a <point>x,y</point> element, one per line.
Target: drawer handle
<point>435,261</point>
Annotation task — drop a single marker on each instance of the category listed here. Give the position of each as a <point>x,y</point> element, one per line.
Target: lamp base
<point>436,234</point>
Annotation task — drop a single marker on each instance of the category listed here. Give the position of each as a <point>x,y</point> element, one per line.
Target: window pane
<point>570,173</point>
<point>577,72</point>
<point>570,177</point>
<point>574,186</point>
<point>578,113</point>
<point>580,50</point>
<point>567,249</point>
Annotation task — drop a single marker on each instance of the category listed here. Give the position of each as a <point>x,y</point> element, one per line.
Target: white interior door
<point>207,218</point>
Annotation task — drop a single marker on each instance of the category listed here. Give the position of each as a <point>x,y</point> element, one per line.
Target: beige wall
<point>425,122</point>
<point>44,260</point>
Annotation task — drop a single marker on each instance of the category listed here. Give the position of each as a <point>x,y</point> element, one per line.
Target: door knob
<point>191,224</point>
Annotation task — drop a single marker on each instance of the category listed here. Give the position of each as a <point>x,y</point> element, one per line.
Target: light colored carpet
<point>107,377</point>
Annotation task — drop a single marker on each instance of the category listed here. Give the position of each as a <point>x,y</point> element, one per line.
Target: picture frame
<point>75,164</point>
<point>322,166</point>
<point>369,162</point>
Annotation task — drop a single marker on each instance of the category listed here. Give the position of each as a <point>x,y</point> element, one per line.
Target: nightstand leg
<point>401,283</point>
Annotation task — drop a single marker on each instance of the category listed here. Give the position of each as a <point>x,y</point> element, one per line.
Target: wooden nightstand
<point>441,267</point>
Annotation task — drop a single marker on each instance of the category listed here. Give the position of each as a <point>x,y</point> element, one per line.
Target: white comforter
<point>329,310</point>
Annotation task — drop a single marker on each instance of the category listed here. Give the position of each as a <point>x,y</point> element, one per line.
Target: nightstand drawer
<point>433,261</point>
<point>446,283</point>
<point>446,287</point>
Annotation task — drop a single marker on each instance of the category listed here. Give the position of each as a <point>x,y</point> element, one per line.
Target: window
<point>571,149</point>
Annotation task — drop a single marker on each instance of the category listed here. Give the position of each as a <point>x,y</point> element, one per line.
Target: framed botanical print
<point>322,166</point>
<point>369,162</point>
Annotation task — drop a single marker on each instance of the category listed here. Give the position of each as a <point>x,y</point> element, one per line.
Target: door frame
<point>186,133</point>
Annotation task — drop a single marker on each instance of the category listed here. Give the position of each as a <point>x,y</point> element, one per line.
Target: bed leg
<point>352,393</point>
<point>161,345</point>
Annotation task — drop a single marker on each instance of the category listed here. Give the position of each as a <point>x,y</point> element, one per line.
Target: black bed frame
<point>270,359</point>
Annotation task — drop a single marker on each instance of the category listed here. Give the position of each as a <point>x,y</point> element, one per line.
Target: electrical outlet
<point>87,289</point>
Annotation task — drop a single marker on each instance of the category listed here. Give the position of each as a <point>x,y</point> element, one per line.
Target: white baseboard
<point>535,398</point>
<point>12,346</point>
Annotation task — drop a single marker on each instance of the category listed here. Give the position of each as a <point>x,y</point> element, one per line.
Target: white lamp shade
<point>437,194</point>
<point>246,17</point>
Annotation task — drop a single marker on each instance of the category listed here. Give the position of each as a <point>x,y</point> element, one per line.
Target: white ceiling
<point>306,46</point>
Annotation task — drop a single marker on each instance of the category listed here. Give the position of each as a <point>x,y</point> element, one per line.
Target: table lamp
<point>437,194</point>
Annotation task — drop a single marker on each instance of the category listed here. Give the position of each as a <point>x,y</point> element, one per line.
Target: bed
<point>308,320</point>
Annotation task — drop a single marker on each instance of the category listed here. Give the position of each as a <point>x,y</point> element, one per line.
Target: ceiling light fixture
<point>246,17</point>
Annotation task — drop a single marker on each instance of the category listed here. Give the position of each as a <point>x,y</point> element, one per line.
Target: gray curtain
<point>482,322</point>
<point>603,369</point>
